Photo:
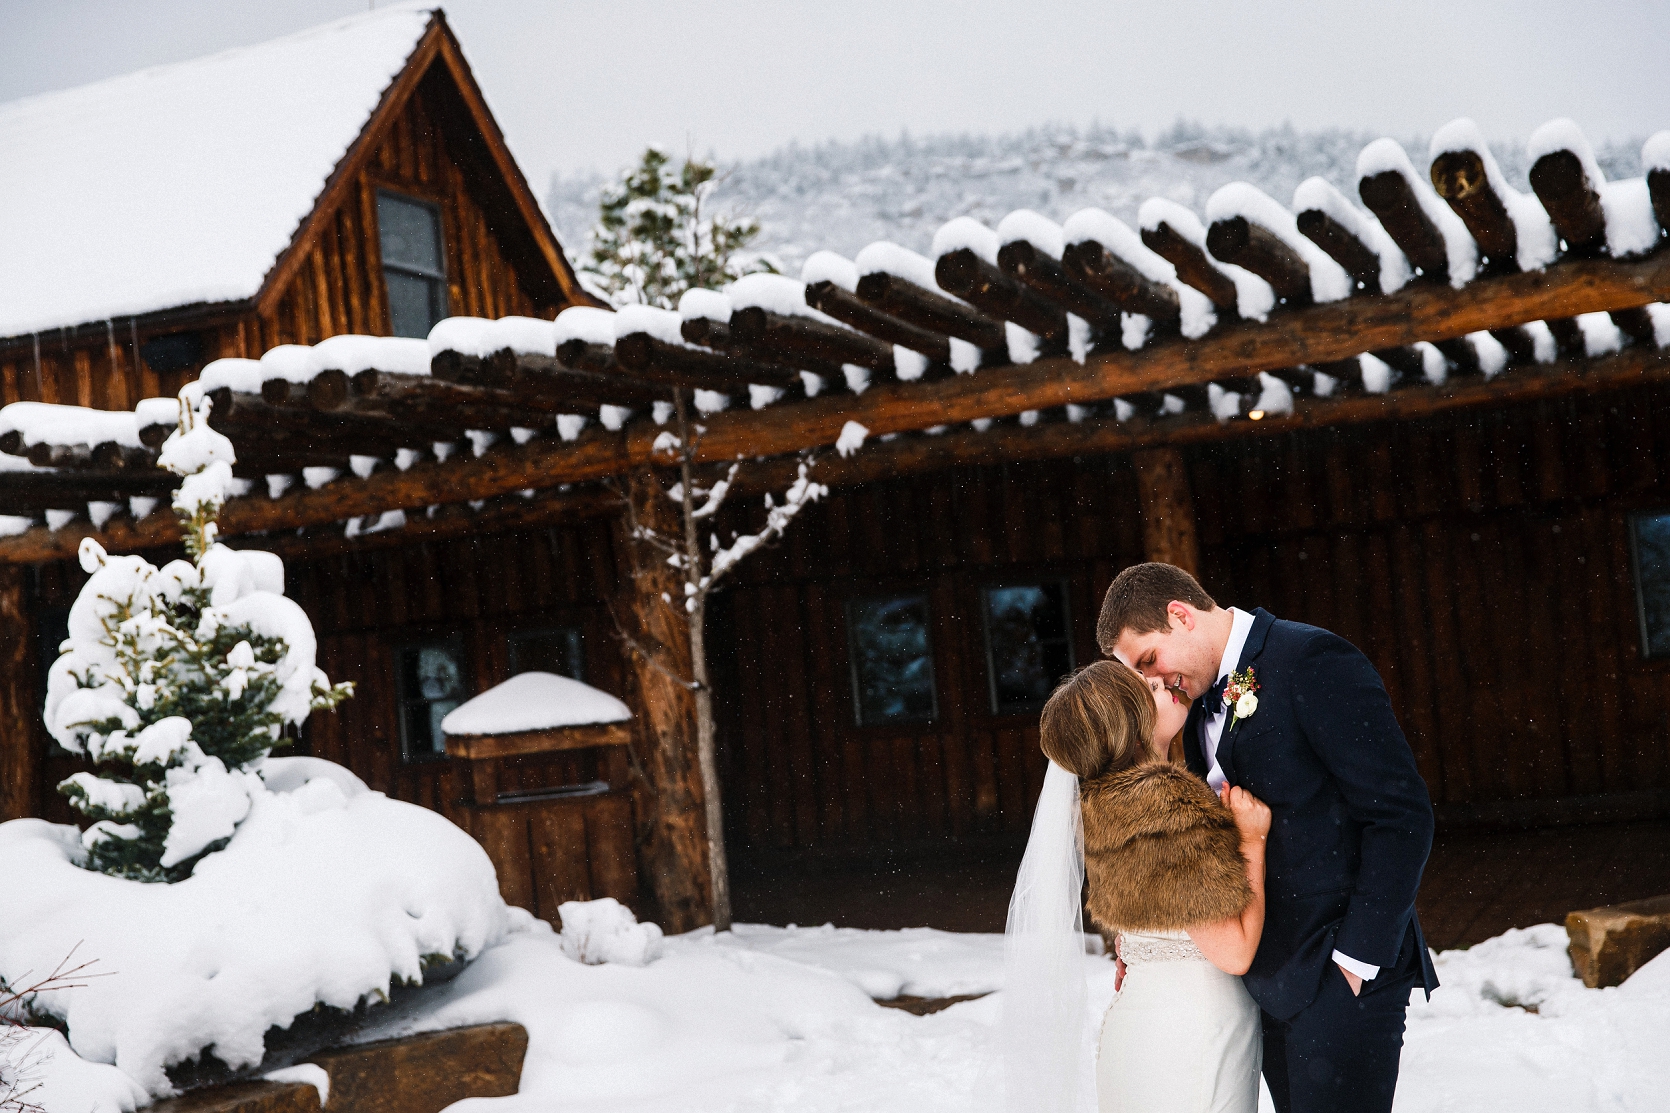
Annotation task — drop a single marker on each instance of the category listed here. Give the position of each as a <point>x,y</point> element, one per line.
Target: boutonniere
<point>1239,694</point>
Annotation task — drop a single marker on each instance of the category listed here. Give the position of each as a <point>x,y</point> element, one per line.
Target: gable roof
<point>185,184</point>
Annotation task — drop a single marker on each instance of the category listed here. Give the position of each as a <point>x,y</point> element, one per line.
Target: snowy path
<point>780,1019</point>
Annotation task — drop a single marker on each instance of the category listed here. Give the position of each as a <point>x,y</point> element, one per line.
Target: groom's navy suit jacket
<point>1352,821</point>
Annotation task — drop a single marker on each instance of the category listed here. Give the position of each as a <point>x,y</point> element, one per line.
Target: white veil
<point>1046,1068</point>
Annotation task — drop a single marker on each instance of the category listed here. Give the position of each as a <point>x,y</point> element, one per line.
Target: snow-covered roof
<point>535,701</point>
<point>183,183</point>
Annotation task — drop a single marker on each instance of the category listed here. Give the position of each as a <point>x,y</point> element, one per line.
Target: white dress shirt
<point>1211,730</point>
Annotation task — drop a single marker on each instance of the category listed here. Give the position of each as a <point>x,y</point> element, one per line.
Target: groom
<point>1342,948</point>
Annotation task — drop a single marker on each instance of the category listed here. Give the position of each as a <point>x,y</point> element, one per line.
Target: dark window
<point>410,233</point>
<point>892,660</point>
<point>430,683</point>
<point>1028,649</point>
<point>177,351</point>
<point>561,651</point>
<point>1651,536</point>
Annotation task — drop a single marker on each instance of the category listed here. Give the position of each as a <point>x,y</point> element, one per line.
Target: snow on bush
<point>327,893</point>
<point>605,930</point>
<point>177,681</point>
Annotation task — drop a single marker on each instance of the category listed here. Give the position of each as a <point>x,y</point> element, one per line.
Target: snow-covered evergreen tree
<point>177,681</point>
<point>656,238</point>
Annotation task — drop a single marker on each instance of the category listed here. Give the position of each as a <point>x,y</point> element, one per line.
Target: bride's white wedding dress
<point>1182,1036</point>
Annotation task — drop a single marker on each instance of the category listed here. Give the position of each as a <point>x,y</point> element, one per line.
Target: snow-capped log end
<point>1355,240</point>
<point>1250,229</point>
<point>966,233</point>
<point>482,337</point>
<point>586,324</point>
<point>1033,228</point>
<point>827,266</point>
<point>886,257</point>
<point>1429,232</point>
<point>1512,228</point>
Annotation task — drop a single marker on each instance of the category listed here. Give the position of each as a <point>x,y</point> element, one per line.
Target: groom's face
<point>1182,655</point>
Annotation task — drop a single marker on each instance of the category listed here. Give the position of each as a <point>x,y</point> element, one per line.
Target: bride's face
<point>1171,710</point>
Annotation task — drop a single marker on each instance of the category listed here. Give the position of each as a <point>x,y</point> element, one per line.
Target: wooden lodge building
<point>1425,436</point>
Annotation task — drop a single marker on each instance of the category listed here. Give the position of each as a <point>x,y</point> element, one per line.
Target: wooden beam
<point>967,276</point>
<point>1459,177</point>
<point>846,306</point>
<point>1658,188</point>
<point>543,382</point>
<point>1343,247</point>
<point>26,493</point>
<point>1573,203</point>
<point>1313,336</point>
<point>672,831</point>
<point>1055,282</point>
<point>1168,512</point>
<point>1255,248</point>
<point>20,711</point>
<point>1194,267</point>
<point>796,338</point>
<point>1391,198</point>
<point>931,310</point>
<point>481,747</point>
<point>1122,284</point>
<point>696,368</point>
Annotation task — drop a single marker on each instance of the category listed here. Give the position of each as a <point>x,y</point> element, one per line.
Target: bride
<point>1176,872</point>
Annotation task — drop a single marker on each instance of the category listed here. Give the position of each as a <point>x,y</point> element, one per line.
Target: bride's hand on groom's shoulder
<point>1252,815</point>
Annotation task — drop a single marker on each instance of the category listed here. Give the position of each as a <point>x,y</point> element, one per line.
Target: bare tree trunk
<point>696,613</point>
<point>671,829</point>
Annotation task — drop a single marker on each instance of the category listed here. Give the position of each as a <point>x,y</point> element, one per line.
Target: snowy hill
<point>842,196</point>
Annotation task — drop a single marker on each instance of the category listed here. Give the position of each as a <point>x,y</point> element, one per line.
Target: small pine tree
<point>178,681</point>
<point>654,240</point>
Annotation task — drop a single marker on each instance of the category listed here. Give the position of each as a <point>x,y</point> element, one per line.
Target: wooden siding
<point>336,288</point>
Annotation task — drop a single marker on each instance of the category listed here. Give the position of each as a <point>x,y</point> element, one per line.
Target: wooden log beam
<point>1255,248</point>
<point>931,310</point>
<point>697,368</point>
<point>672,823</point>
<point>28,493</point>
<point>1391,198</point>
<point>437,410</point>
<point>848,307</point>
<point>1051,278</point>
<point>707,332</point>
<point>964,274</point>
<point>582,356</point>
<point>1168,511</point>
<point>1343,247</point>
<point>1093,265</point>
<point>246,417</point>
<point>20,727</point>
<point>1194,267</point>
<point>1313,336</point>
<point>1573,203</point>
<point>1658,188</point>
<point>804,338</point>
<point>1460,179</point>
<point>542,382</point>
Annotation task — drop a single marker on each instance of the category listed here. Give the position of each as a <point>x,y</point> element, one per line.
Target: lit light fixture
<point>1256,415</point>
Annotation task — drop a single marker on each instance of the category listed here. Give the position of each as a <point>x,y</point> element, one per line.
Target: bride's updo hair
<point>1098,721</point>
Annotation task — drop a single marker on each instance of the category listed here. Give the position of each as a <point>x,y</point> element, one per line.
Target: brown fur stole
<point>1160,850</point>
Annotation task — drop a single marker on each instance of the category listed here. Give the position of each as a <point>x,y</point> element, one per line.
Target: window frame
<point>1631,521</point>
<point>460,646</point>
<point>440,293</point>
<point>512,637</point>
<point>925,597</point>
<point>986,635</point>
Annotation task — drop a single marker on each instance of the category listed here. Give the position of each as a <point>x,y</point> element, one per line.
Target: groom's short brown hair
<point>1138,597</point>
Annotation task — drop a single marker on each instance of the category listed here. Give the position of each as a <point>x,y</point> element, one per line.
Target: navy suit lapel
<point>1192,754</point>
<point>1250,649</point>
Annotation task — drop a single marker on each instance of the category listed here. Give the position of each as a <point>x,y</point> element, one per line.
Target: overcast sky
<point>587,85</point>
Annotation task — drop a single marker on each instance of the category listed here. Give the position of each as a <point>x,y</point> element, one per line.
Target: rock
<point>244,1097</point>
<point>424,1073</point>
<point>1610,944</point>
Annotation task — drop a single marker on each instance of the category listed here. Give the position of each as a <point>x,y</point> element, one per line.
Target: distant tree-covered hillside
<point>842,196</point>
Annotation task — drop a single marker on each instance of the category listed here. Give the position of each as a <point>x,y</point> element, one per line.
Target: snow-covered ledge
<point>535,713</point>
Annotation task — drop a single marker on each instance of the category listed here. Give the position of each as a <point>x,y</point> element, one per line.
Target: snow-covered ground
<point>770,1018</point>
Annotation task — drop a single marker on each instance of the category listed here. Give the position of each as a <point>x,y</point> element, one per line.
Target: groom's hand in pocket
<point>1353,981</point>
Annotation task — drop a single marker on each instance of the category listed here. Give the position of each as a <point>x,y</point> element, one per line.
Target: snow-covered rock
<point>605,930</point>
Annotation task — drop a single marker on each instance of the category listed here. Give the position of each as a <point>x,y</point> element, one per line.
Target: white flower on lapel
<point>1238,693</point>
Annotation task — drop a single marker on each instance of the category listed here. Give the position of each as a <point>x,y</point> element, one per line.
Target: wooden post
<point>672,826</point>
<point>1168,509</point>
<point>19,753</point>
